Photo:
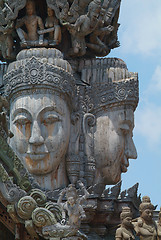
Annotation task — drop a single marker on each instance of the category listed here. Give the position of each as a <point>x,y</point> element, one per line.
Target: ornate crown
<point>113,94</point>
<point>111,84</point>
<point>146,204</point>
<point>43,71</point>
<point>126,212</point>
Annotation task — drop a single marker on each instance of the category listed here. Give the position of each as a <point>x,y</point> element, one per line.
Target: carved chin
<point>110,175</point>
<point>41,167</point>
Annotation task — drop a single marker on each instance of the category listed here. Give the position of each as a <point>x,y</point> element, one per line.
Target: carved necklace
<point>150,228</point>
<point>128,232</point>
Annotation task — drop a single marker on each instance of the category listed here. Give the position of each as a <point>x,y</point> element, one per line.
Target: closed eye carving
<point>50,119</point>
<point>21,120</point>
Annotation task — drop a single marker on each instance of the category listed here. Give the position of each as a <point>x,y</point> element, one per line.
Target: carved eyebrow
<point>19,111</point>
<point>49,109</point>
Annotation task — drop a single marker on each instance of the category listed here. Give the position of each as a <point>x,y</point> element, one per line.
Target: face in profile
<point>113,143</point>
<point>41,127</point>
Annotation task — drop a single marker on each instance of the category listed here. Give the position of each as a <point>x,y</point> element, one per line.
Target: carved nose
<point>36,137</point>
<point>130,149</point>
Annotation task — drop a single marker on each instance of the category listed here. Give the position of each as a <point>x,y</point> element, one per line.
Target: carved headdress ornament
<point>112,87</point>
<point>126,212</point>
<point>37,69</point>
<point>146,204</point>
<point>71,191</point>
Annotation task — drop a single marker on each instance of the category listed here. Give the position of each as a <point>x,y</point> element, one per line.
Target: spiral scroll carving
<point>42,217</point>
<point>25,207</point>
<point>39,197</point>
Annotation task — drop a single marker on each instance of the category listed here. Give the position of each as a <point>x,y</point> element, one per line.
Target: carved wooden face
<point>147,215</point>
<point>127,221</point>
<point>50,12</point>
<point>41,127</point>
<point>30,8</point>
<point>113,143</point>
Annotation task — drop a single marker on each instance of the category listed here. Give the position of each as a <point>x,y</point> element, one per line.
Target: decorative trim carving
<point>35,73</point>
<point>123,92</point>
<point>25,207</point>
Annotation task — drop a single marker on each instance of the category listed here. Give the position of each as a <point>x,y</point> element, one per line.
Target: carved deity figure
<point>146,227</point>
<point>125,232</point>
<point>40,115</point>
<point>108,127</point>
<point>159,226</point>
<point>73,207</point>
<point>6,41</point>
<point>84,25</point>
<point>32,23</point>
<point>52,22</point>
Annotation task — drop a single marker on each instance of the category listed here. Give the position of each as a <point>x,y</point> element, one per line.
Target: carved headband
<point>34,73</point>
<point>114,93</point>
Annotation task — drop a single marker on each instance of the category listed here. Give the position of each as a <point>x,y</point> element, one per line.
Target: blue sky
<point>140,38</point>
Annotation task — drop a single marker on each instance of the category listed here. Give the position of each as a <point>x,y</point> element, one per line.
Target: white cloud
<point>148,124</point>
<point>148,115</point>
<point>154,88</point>
<point>142,20</point>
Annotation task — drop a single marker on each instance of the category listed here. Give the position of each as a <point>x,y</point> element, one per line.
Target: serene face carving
<point>127,222</point>
<point>112,142</point>
<point>147,215</point>
<point>50,12</point>
<point>41,127</point>
<point>30,8</point>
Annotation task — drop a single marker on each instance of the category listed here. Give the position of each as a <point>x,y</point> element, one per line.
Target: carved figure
<point>32,23</point>
<point>84,25</point>
<point>108,125</point>
<point>73,207</point>
<point>145,227</point>
<point>40,117</point>
<point>126,230</point>
<point>104,37</point>
<point>159,226</point>
<point>6,41</point>
<point>52,22</point>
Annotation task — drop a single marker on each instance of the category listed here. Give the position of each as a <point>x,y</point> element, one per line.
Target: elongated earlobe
<point>90,163</point>
<point>73,159</point>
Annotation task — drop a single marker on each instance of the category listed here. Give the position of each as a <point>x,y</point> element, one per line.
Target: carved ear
<point>88,122</point>
<point>72,158</point>
<point>90,163</point>
<point>74,133</point>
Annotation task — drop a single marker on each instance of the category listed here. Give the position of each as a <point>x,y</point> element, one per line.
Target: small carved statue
<point>145,227</point>
<point>84,25</point>
<point>159,226</point>
<point>73,207</point>
<point>6,41</point>
<point>104,37</point>
<point>125,232</point>
<point>53,28</point>
<point>32,23</point>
